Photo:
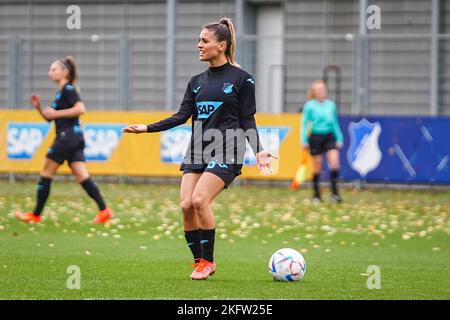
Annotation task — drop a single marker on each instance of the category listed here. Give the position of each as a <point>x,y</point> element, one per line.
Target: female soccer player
<point>221,100</point>
<point>325,136</point>
<point>69,142</point>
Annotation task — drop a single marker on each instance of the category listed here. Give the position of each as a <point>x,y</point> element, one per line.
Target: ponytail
<point>224,31</point>
<point>231,46</point>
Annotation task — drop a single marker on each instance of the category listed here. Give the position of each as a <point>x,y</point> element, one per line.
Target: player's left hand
<point>263,162</point>
<point>135,128</point>
<point>49,113</point>
<point>35,100</point>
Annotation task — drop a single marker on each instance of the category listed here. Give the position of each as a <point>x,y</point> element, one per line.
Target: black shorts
<point>321,143</point>
<point>70,149</point>
<point>226,172</point>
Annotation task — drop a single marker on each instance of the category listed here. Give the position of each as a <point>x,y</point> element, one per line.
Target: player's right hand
<point>35,100</point>
<point>135,128</point>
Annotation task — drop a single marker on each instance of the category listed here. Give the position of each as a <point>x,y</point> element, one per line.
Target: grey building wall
<point>306,58</point>
<point>399,67</point>
<point>191,16</point>
<point>45,37</point>
<point>4,71</point>
<point>444,69</point>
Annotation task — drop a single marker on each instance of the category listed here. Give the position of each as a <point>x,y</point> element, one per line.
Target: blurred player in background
<point>69,142</point>
<point>321,135</point>
<point>220,98</point>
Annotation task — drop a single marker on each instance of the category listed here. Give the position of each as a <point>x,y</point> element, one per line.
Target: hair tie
<point>65,65</point>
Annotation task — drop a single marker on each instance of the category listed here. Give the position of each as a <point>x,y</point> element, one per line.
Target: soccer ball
<point>287,265</point>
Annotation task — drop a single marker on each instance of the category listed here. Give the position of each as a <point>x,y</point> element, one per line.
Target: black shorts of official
<point>321,143</point>
<point>226,172</point>
<point>68,148</point>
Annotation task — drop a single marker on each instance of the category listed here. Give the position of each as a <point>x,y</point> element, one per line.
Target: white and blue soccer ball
<point>287,265</point>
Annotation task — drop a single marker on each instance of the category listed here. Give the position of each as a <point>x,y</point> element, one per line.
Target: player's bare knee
<point>187,207</point>
<point>199,202</point>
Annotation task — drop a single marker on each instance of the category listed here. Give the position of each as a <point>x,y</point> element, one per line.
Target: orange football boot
<point>103,216</point>
<point>203,270</point>
<point>28,217</point>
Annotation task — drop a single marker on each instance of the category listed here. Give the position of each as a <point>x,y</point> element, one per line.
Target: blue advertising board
<point>396,149</point>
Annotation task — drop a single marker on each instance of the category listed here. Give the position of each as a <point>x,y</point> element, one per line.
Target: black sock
<point>193,242</point>
<point>316,179</point>
<point>92,190</point>
<point>43,190</point>
<point>334,174</point>
<point>207,242</point>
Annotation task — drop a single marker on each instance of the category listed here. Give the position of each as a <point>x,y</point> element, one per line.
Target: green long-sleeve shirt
<point>323,118</point>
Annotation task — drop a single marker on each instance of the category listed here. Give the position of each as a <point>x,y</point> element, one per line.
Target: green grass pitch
<point>142,253</point>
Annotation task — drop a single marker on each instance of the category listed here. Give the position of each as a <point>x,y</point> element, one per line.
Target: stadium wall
<point>25,139</point>
<point>395,149</point>
<point>125,68</point>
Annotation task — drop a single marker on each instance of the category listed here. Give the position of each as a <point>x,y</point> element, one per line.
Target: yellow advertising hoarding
<point>25,138</point>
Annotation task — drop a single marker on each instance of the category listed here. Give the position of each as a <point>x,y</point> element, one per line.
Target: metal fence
<point>367,74</point>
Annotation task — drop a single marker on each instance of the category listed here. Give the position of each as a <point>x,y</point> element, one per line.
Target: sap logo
<point>206,108</point>
<point>271,139</point>
<point>24,138</point>
<point>174,143</point>
<point>101,140</point>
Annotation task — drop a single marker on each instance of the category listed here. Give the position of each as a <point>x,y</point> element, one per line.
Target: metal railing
<point>380,73</point>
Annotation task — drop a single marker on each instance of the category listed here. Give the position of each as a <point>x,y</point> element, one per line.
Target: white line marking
<point>442,164</point>
<point>404,160</point>
<point>427,134</point>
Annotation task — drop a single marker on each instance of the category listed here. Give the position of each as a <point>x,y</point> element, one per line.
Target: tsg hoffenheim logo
<point>364,153</point>
<point>227,88</point>
<point>24,138</point>
<point>101,140</point>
